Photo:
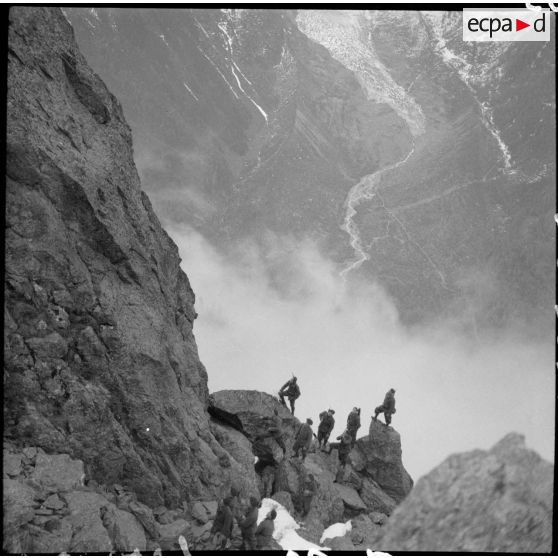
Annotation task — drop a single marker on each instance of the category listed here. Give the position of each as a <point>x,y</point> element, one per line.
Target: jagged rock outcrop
<point>48,509</point>
<point>250,412</point>
<point>100,359</point>
<point>354,493</point>
<point>480,501</point>
<point>377,457</point>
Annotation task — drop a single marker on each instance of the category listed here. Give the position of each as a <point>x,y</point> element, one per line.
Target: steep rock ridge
<point>366,492</point>
<point>481,501</point>
<point>378,458</point>
<point>100,358</point>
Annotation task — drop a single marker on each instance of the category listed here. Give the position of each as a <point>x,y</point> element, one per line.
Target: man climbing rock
<point>353,424</point>
<point>290,390</point>
<point>309,490</point>
<point>264,532</point>
<point>387,407</point>
<point>223,525</point>
<point>327,422</point>
<point>249,524</point>
<point>343,449</point>
<point>303,438</point>
<point>276,431</point>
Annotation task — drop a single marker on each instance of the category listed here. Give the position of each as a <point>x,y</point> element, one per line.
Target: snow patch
<point>285,527</point>
<point>336,530</point>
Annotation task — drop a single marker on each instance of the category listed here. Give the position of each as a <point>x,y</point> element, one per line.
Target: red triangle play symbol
<point>519,25</point>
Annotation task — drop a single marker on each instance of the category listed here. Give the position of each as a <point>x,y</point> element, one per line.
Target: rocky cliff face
<point>108,445</point>
<point>101,361</point>
<point>481,501</point>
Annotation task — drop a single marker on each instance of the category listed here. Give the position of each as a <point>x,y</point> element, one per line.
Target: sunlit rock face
<point>100,358</point>
<point>413,158</point>
<point>481,501</point>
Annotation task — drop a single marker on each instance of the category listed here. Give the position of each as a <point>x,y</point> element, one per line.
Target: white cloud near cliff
<point>267,313</point>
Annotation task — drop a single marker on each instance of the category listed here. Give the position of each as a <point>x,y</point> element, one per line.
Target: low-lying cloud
<point>277,308</point>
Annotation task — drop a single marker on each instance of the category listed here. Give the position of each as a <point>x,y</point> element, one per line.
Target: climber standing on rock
<point>387,407</point>
<point>264,532</point>
<point>290,390</point>
<point>223,525</point>
<point>249,524</point>
<point>303,438</point>
<point>327,422</point>
<point>353,424</point>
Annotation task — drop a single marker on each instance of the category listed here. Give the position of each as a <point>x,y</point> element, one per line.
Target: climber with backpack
<point>290,390</point>
<point>387,407</point>
<point>276,431</point>
<point>303,439</point>
<point>327,422</point>
<point>353,424</point>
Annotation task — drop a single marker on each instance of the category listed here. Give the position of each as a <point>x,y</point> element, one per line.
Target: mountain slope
<point>413,159</point>
<point>101,361</point>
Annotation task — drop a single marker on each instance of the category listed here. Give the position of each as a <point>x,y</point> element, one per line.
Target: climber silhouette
<point>290,390</point>
<point>387,407</point>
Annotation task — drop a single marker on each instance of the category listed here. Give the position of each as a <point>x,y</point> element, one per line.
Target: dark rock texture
<point>481,501</point>
<point>378,458</point>
<point>101,362</point>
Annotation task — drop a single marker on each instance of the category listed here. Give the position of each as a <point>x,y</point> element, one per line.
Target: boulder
<point>365,533</point>
<point>375,498</point>
<point>169,534</point>
<point>480,501</point>
<point>145,516</point>
<point>58,471</point>
<point>200,534</point>
<point>240,451</point>
<point>351,500</point>
<point>11,464</point>
<point>89,533</point>
<point>54,502</point>
<point>17,511</point>
<point>54,538</point>
<point>211,508</point>
<point>340,543</point>
<point>199,513</point>
<point>124,529</point>
<point>250,412</point>
<point>378,457</point>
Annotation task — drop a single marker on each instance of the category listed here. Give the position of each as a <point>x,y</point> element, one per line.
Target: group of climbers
<point>258,537</point>
<point>291,391</point>
<point>347,439</point>
<point>254,536</point>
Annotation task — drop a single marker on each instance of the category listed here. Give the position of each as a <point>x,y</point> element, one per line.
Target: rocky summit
<point>112,441</point>
<point>481,501</point>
